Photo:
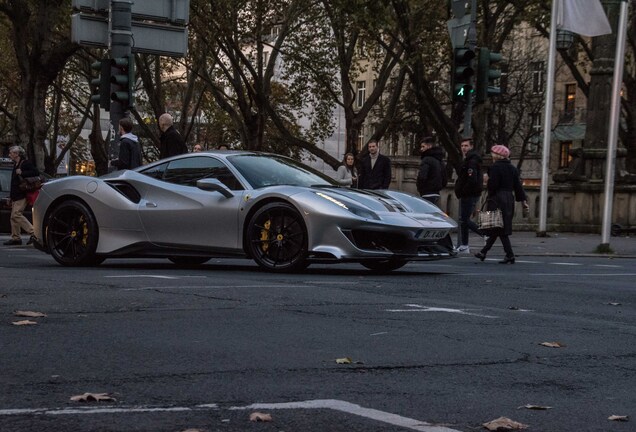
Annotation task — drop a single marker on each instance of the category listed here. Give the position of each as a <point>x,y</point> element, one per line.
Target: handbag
<point>490,219</point>
<point>28,184</point>
<point>31,196</point>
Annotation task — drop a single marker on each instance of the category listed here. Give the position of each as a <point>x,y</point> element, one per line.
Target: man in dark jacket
<point>432,175</point>
<point>22,168</point>
<point>375,169</point>
<point>172,143</point>
<point>468,189</point>
<point>129,147</point>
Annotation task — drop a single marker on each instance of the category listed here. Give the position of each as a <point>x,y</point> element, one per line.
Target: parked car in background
<point>6,167</point>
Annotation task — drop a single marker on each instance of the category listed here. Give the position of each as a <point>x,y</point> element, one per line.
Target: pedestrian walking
<point>347,173</point>
<point>171,141</point>
<point>22,167</point>
<point>431,178</point>
<point>375,169</point>
<point>468,188</point>
<point>129,147</point>
<point>504,187</point>
<point>197,148</point>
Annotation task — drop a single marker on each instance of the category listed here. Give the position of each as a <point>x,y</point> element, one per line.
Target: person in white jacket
<point>347,173</point>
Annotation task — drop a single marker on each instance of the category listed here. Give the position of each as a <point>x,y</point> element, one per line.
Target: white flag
<point>585,17</point>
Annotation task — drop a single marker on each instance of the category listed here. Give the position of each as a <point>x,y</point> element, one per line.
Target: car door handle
<point>150,204</point>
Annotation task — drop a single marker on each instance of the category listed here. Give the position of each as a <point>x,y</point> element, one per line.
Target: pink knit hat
<point>500,150</point>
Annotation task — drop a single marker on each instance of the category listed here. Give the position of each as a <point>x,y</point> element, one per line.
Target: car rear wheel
<point>384,266</point>
<point>188,260</point>
<point>72,234</point>
<point>277,238</point>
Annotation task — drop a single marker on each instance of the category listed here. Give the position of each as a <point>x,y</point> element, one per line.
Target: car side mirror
<point>212,184</point>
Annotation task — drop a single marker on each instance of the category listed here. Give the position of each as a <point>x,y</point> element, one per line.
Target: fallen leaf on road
<point>553,344</point>
<point>618,418</point>
<point>613,304</point>
<point>260,417</point>
<point>23,323</point>
<point>343,360</point>
<point>29,314</point>
<point>93,397</point>
<point>535,407</point>
<point>504,424</point>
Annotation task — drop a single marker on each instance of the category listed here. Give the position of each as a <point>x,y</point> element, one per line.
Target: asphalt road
<point>435,347</point>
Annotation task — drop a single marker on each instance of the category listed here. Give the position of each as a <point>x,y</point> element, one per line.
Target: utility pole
<point>120,34</point>
<point>472,45</point>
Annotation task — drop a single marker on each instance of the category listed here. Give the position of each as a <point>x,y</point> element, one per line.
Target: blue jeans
<point>466,209</point>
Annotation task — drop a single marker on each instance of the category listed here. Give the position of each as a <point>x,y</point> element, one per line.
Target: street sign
<point>149,38</point>
<point>174,11</point>
<point>458,30</point>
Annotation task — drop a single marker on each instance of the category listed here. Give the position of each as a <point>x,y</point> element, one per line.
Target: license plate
<point>432,234</point>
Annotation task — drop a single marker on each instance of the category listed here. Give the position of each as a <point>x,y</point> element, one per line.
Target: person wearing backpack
<point>468,189</point>
<point>431,178</point>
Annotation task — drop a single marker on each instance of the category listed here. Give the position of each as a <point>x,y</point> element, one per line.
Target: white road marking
<point>333,404</point>
<point>566,264</point>
<point>143,276</point>
<point>607,265</point>
<point>582,274</point>
<point>104,410</point>
<point>378,334</point>
<point>205,287</point>
<point>420,308</point>
<point>350,408</point>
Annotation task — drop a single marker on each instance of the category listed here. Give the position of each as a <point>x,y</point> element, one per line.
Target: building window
<point>570,102</point>
<point>564,154</point>
<point>361,138</point>
<point>538,77</point>
<point>535,136</point>
<point>361,87</point>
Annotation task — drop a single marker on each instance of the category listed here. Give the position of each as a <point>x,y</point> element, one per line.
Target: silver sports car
<point>279,212</point>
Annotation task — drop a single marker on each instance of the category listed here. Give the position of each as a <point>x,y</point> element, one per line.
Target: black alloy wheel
<point>277,238</point>
<point>72,235</point>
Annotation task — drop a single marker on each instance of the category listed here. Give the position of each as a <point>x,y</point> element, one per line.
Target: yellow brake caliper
<point>84,231</point>
<point>265,235</point>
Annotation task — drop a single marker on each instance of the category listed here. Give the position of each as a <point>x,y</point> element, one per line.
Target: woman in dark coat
<point>504,188</point>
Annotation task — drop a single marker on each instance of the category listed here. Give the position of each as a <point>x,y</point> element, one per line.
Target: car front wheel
<point>277,238</point>
<point>72,234</point>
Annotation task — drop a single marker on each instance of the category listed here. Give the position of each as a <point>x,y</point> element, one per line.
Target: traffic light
<point>486,74</point>
<point>123,77</point>
<point>101,84</point>
<point>462,74</point>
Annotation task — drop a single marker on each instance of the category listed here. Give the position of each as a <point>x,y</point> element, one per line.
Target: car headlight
<point>353,208</point>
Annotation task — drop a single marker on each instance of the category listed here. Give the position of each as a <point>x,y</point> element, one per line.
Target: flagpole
<point>547,124</point>
<point>612,135</point>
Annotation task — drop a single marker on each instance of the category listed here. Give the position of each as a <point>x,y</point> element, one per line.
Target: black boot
<point>508,259</point>
<point>480,255</point>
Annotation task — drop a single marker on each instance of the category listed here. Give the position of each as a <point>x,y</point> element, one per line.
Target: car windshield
<point>271,170</point>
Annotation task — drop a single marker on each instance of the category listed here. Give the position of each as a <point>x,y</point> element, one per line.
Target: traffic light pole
<point>472,44</point>
<point>120,35</point>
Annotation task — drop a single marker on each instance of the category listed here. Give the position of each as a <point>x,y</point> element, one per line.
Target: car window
<point>156,171</point>
<point>270,170</point>
<point>187,171</point>
<point>5,180</point>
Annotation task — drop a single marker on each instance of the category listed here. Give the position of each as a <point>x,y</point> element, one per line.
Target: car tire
<point>384,266</point>
<point>277,238</point>
<point>185,261</point>
<point>72,235</point>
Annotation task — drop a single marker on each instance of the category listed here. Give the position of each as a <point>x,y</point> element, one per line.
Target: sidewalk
<point>526,243</point>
